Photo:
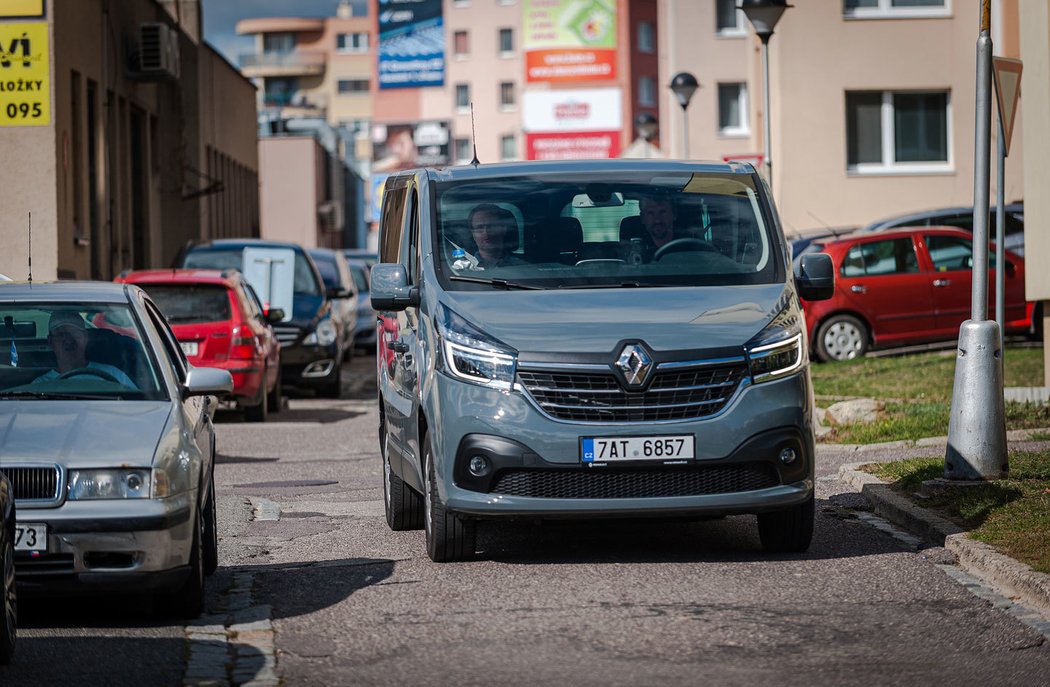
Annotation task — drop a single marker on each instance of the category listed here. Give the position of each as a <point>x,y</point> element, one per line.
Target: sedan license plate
<point>31,537</point>
<point>189,348</point>
<point>666,448</point>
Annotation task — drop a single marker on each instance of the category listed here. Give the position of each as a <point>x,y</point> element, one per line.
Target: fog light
<point>788,456</point>
<point>478,466</point>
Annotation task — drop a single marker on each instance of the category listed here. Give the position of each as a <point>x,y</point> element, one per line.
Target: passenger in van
<point>68,335</point>
<point>495,233</point>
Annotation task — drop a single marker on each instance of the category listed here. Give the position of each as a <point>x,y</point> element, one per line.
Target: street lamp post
<point>764,15</point>
<point>646,124</point>
<point>684,85</point>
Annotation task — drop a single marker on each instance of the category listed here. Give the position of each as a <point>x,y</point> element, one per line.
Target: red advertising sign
<point>577,145</point>
<point>567,65</point>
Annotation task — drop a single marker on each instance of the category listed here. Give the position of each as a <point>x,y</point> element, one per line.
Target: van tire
<point>789,530</point>
<point>403,504</point>
<point>8,600</point>
<point>848,338</point>
<point>449,536</point>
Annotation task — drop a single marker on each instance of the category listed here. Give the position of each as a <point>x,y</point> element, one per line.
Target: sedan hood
<point>594,321</point>
<point>82,433</point>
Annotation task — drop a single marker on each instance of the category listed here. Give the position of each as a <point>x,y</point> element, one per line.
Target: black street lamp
<point>764,15</point>
<point>684,85</point>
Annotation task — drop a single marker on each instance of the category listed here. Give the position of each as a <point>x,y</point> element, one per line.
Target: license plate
<point>189,348</point>
<point>30,537</point>
<point>666,448</point>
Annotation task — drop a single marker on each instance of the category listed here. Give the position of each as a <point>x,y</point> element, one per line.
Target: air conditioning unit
<point>158,52</point>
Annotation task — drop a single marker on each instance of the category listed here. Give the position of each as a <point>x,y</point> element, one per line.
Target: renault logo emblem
<point>635,363</point>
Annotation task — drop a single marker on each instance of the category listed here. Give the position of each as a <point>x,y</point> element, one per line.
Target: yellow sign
<point>25,75</point>
<point>21,8</point>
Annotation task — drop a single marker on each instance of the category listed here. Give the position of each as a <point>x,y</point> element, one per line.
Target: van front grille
<point>37,485</point>
<point>596,396</point>
<point>593,483</point>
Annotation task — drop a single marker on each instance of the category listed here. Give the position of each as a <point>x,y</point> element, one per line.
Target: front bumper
<point>142,546</point>
<point>737,451</point>
<point>309,366</point>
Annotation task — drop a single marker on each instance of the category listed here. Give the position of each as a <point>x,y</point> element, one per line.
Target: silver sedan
<point>106,437</point>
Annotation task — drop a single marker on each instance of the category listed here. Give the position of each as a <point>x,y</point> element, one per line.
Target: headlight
<point>109,484</point>
<point>322,335</point>
<point>779,349</point>
<point>471,355</point>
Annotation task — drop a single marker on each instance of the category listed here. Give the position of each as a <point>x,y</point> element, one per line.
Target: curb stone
<point>978,558</point>
<point>1012,435</point>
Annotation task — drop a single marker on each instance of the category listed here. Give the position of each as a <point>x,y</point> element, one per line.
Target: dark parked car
<point>369,257</point>
<point>340,288</point>
<point>906,286</point>
<point>284,276</point>
<point>8,594</point>
<point>365,332</point>
<point>962,217</point>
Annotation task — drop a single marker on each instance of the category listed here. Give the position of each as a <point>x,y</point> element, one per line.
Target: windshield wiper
<point>621,285</point>
<point>51,396</point>
<point>499,283</point>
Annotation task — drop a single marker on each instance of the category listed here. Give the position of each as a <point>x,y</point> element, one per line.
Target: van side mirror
<point>816,277</point>
<point>275,315</point>
<point>390,288</point>
<point>335,292</point>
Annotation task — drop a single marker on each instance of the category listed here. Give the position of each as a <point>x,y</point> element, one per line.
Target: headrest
<point>631,228</point>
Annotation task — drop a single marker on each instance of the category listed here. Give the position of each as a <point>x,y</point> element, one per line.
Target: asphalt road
<point>339,599</point>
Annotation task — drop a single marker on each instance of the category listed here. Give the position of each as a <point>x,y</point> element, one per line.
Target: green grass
<point>1013,514</point>
<point>917,391</point>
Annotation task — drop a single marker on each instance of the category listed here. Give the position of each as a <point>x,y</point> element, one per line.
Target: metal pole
<point>765,113</point>
<point>1000,231</point>
<point>977,424</point>
<point>685,133</point>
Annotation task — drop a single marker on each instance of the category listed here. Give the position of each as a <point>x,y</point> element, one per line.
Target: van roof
<point>526,168</point>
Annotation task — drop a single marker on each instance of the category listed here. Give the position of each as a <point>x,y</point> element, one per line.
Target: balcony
<point>298,63</point>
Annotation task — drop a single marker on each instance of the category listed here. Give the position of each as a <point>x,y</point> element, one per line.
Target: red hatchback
<point>906,286</point>
<point>219,322</point>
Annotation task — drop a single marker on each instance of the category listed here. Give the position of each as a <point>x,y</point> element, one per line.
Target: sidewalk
<point>977,558</point>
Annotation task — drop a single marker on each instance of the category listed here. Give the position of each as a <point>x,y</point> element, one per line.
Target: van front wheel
<point>450,537</point>
<point>789,530</point>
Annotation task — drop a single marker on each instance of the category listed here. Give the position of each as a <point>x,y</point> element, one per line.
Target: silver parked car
<point>107,439</point>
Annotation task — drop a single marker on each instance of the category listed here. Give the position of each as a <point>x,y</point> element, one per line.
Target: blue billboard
<point>411,44</point>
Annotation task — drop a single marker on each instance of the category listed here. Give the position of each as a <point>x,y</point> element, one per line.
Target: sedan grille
<point>599,397</point>
<point>286,334</point>
<point>636,484</point>
<point>34,484</point>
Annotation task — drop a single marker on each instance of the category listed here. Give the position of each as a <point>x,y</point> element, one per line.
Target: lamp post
<point>646,125</point>
<point>684,85</point>
<point>764,15</point>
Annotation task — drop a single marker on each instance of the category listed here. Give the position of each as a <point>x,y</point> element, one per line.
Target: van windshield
<point>605,230</point>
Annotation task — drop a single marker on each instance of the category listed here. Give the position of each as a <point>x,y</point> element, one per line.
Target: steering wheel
<point>102,374</point>
<point>682,244</point>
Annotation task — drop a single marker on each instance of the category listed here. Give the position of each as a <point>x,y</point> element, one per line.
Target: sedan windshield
<point>605,230</point>
<point>64,350</point>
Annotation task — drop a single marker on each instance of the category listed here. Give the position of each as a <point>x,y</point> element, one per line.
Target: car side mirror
<point>815,277</point>
<point>275,315</point>
<point>207,381</point>
<point>337,292</point>
<point>390,288</point>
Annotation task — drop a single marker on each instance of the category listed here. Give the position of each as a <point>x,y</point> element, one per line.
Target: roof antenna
<point>30,246</point>
<point>473,136</point>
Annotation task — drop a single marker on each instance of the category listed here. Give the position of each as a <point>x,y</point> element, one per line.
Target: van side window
<point>411,230</point>
<point>392,225</point>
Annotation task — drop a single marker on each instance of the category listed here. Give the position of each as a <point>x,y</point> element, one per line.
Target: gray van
<point>588,339</point>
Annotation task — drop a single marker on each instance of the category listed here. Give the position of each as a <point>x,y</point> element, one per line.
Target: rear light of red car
<point>242,345</point>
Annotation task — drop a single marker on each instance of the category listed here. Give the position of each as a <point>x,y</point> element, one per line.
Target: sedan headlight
<point>324,334</point>
<point>473,356</point>
<point>108,484</point>
<point>779,349</point>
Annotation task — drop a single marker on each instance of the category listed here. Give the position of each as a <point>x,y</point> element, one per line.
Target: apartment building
<point>872,101</point>
<point>136,138</point>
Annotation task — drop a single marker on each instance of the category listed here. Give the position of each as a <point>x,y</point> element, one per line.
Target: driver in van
<point>68,336</point>
<point>491,228</point>
<point>657,216</point>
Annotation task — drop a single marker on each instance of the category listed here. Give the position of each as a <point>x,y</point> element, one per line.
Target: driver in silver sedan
<point>68,335</point>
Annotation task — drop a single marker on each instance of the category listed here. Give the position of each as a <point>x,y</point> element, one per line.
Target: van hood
<point>594,321</point>
<point>82,433</point>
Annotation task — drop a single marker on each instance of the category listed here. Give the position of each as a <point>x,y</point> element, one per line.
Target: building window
<point>902,131</point>
<point>506,42</point>
<point>279,90</point>
<point>732,109</point>
<point>508,149</point>
<point>895,9</point>
<point>353,86</point>
<point>463,97</point>
<point>460,43</point>
<point>351,42</point>
<point>506,94</point>
<point>647,91</point>
<point>461,3</point>
<point>462,149</point>
<point>646,37</point>
<point>278,43</point>
<point>727,19</point>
